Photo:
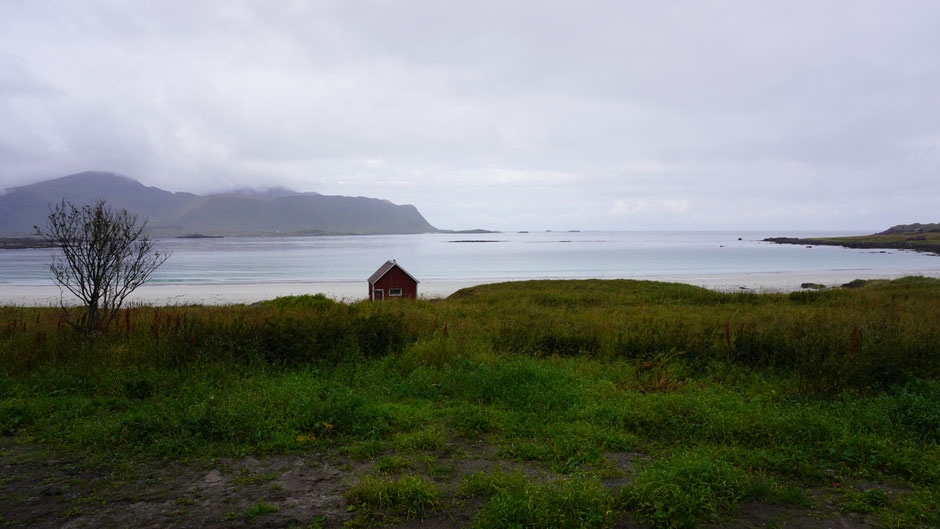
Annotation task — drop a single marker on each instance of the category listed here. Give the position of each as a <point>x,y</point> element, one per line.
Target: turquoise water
<point>435,257</point>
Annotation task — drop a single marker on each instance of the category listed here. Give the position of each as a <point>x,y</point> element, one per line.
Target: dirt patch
<point>44,489</point>
<point>624,465</point>
<point>41,491</point>
<point>755,514</point>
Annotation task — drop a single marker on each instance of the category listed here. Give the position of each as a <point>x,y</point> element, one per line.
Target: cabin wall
<point>395,278</point>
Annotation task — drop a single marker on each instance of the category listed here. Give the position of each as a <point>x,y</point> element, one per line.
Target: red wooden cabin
<point>392,281</point>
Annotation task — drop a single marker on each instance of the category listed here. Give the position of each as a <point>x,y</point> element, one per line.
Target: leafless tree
<point>105,255</point>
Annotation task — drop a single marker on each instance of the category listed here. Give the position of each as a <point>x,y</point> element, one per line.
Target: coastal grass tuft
<point>572,503</point>
<point>408,495</point>
<point>259,508</point>
<point>686,490</point>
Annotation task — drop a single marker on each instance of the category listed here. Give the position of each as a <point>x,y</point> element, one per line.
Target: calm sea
<point>498,256</point>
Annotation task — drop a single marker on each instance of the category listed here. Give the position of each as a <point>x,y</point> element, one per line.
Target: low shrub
<point>316,302</point>
<point>15,416</point>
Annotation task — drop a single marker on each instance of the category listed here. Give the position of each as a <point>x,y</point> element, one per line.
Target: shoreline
<point>351,291</point>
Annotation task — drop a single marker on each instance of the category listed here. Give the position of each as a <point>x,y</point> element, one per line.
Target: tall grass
<point>868,338</point>
<point>729,393</point>
<point>504,355</point>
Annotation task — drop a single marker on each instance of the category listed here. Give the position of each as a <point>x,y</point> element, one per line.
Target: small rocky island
<point>199,236</point>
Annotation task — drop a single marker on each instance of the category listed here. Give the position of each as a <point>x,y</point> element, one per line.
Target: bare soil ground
<point>41,488</point>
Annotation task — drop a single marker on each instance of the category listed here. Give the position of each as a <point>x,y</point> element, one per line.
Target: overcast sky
<point>497,114</point>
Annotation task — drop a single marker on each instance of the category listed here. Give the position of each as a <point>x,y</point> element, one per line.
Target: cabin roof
<point>384,270</point>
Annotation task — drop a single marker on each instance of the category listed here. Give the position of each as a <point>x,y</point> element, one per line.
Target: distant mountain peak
<point>267,192</point>
<point>98,174</point>
<point>84,178</point>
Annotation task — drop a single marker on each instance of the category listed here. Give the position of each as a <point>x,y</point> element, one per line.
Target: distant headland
<point>917,237</point>
<point>270,212</point>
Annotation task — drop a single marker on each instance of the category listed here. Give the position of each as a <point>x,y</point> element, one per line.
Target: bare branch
<point>105,255</point>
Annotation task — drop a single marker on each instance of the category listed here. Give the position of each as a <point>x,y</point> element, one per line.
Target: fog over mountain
<point>245,212</point>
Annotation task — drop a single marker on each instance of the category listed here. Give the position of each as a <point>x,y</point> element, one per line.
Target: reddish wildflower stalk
<point>855,340</point>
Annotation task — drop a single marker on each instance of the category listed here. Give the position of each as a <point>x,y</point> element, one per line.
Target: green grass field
<point>525,404</point>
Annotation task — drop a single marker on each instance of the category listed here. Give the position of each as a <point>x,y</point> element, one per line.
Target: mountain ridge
<point>280,210</point>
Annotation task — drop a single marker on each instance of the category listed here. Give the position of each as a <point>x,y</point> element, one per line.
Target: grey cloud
<point>604,114</point>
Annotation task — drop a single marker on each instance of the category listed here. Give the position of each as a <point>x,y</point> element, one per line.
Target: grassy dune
<point>590,402</point>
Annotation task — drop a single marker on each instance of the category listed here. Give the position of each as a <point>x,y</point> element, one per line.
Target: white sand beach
<point>234,293</point>
<point>221,293</point>
<point>790,282</point>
